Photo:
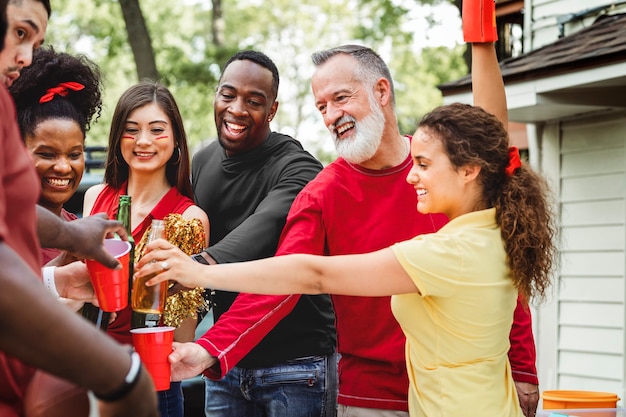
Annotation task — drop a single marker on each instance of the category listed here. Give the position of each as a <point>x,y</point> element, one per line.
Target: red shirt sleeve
<point>248,320</point>
<point>522,354</point>
<point>251,317</point>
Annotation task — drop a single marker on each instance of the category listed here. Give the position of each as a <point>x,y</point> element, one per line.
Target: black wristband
<point>200,259</point>
<point>131,379</point>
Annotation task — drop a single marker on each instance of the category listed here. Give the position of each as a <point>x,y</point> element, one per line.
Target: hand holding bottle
<point>150,300</point>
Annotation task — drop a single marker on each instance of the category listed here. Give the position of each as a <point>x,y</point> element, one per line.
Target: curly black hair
<point>48,70</point>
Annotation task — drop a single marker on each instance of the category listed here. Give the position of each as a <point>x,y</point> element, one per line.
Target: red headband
<point>61,90</point>
<point>514,162</point>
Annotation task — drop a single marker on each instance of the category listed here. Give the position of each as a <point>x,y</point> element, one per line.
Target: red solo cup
<point>111,285</point>
<point>479,21</point>
<point>154,345</point>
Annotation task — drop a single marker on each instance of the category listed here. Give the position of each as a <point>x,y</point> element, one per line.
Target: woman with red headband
<point>57,98</point>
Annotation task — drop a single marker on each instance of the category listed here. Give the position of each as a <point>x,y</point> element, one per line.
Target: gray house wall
<point>571,93</point>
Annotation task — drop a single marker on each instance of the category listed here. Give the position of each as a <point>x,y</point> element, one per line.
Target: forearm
<point>248,320</point>
<point>50,229</point>
<point>39,331</point>
<point>487,83</point>
<point>288,274</point>
<point>291,274</point>
<point>263,228</point>
<point>522,353</point>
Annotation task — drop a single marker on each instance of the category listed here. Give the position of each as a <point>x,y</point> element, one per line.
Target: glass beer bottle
<point>150,300</point>
<point>124,217</point>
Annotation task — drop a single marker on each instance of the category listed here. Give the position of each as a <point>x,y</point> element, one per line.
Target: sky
<point>445,32</point>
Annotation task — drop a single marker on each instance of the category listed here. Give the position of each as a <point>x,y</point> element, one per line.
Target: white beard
<point>368,134</point>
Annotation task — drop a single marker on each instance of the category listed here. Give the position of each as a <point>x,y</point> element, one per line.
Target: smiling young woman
<point>57,98</point>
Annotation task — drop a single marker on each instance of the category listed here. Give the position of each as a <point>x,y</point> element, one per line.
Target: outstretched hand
<point>168,262</point>
<point>87,236</point>
<point>189,360</point>
<point>73,282</point>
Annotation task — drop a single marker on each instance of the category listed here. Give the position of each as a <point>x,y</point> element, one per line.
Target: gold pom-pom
<point>189,236</point>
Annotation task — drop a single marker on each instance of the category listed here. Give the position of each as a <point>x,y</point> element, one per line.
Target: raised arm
<point>479,29</point>
<point>82,237</point>
<point>487,83</point>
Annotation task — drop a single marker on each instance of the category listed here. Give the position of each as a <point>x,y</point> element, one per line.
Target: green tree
<point>139,39</point>
<point>192,39</point>
<point>416,89</point>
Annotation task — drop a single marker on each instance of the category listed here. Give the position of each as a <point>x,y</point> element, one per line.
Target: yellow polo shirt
<point>458,328</point>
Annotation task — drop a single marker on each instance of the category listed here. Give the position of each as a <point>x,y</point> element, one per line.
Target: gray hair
<point>370,66</point>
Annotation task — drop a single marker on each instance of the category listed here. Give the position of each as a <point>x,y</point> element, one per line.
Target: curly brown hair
<point>524,210</point>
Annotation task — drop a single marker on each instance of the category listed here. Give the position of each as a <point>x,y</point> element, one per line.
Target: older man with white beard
<point>367,137</point>
<point>360,203</point>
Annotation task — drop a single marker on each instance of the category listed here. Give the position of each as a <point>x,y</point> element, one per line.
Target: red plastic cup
<point>479,21</point>
<point>154,345</point>
<point>110,285</point>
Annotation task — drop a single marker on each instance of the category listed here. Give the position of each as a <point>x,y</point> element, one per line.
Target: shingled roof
<point>601,43</point>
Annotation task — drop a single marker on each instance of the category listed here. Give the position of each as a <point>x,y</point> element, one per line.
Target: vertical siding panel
<point>590,296</point>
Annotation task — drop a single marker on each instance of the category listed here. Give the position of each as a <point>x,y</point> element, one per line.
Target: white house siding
<point>587,307</point>
<point>541,21</point>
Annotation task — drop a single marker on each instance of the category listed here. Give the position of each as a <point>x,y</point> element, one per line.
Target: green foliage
<point>288,31</point>
<point>416,92</point>
<point>179,38</point>
<point>379,20</point>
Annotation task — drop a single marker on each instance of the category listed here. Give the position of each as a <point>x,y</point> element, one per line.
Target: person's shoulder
<point>336,169</point>
<point>285,142</point>
<point>195,212</point>
<point>94,190</point>
<point>91,194</point>
<point>326,183</point>
<point>288,148</point>
<point>207,150</point>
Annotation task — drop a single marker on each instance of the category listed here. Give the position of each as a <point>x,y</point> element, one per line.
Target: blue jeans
<point>304,387</point>
<point>171,401</point>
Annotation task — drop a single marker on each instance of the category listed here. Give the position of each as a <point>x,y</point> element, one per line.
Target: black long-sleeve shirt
<point>247,198</point>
